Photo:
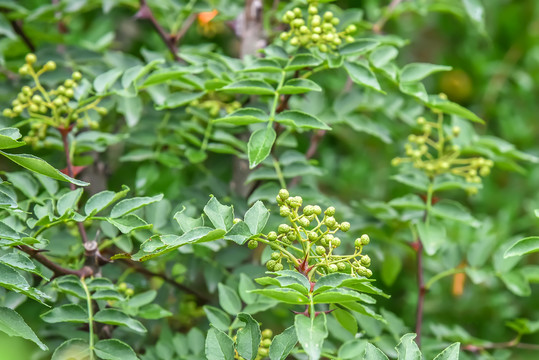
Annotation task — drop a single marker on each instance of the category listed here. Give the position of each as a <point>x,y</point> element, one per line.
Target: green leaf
<point>219,346</point>
<point>383,55</point>
<point>257,217</point>
<point>453,210</point>
<point>244,116</point>
<point>416,90</point>
<point>113,349</point>
<point>476,12</point>
<point>72,349</point>
<point>129,223</point>
<point>68,201</point>
<point>221,216</point>
<point>362,75</point>
<point>8,138</point>
<point>360,122</point>
<point>116,317</point>
<point>360,47</point>
<point>131,108</point>
<point>249,87</point>
<point>410,201</point>
<point>40,166</point>
<point>391,267</point>
<point>407,348</point>
<point>6,29</point>
<point>283,344</point>
<point>105,81</point>
<point>449,107</point>
<point>260,144</point>
<point>311,333</point>
<point>516,282</point>
<point>337,296</point>
<point>432,237</point>
<point>523,246</point>
<point>285,295</point>
<point>373,353</point>
<point>229,299</point>
<point>103,200</point>
<point>21,261</point>
<point>13,324</point>
<point>128,205</point>
<point>6,232</point>
<point>417,180</point>
<point>166,75</point>
<point>449,353</point>
<point>12,280</point>
<point>264,65</point>
<point>418,71</point>
<point>153,312</point>
<point>299,86</point>
<point>347,321</point>
<point>72,313</point>
<point>302,61</point>
<point>107,294</point>
<point>178,99</point>
<point>300,119</point>
<point>248,337</point>
<point>217,317</point>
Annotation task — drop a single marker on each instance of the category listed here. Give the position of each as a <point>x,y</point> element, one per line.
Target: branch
<point>183,30</point>
<point>17,27</point>
<point>377,27</point>
<point>201,298</point>
<point>146,13</point>
<point>515,343</point>
<point>57,269</point>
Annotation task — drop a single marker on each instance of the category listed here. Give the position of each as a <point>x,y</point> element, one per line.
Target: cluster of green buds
<point>315,231</point>
<point>435,154</point>
<point>315,31</point>
<point>263,348</point>
<point>49,108</point>
<point>213,106</point>
<point>125,289</point>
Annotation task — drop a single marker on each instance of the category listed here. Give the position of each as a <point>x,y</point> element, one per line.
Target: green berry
<point>330,222</point>
<point>330,211</point>
<point>76,76</point>
<point>313,236</point>
<point>365,240</point>
<point>484,171</point>
<point>317,210</point>
<point>290,15</point>
<point>323,48</point>
<point>291,235</point>
<point>341,266</point>
<point>69,83</point>
<point>328,15</point>
<point>37,99</point>
<point>50,66</point>
<point>284,36</point>
<point>345,226</point>
<point>357,243</point>
<point>129,292</point>
<point>272,236</point>
<point>263,352</point>
<point>333,268</point>
<point>316,21</point>
<point>33,108</point>
<point>304,222</point>
<point>266,343</point>
<point>270,265</point>
<point>294,41</point>
<point>297,11</point>
<point>23,70</point>
<point>335,21</point>
<point>278,267</point>
<point>284,211</point>
<point>336,242</point>
<point>17,109</point>
<point>30,58</point>
<point>7,113</point>
<point>253,244</point>
<point>320,250</point>
<point>58,102</point>
<point>315,37</point>
<point>313,10</point>
<point>308,210</point>
<point>304,29</point>
<point>267,334</point>
<point>317,30</point>
<point>368,272</point>
<point>283,229</point>
<point>455,130</point>
<point>350,29</point>
<point>365,260</point>
<point>275,255</point>
<point>298,23</point>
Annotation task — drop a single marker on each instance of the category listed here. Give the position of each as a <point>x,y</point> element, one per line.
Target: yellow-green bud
<point>30,58</point>
<point>50,66</point>
<point>365,240</point>
<point>313,10</point>
<point>76,76</point>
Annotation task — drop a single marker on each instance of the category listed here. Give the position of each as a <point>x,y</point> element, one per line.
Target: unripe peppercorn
<point>333,268</point>
<point>43,109</point>
<point>275,255</point>
<point>294,41</point>
<point>30,58</point>
<point>335,21</point>
<point>323,48</point>
<point>304,29</point>
<point>313,10</point>
<point>298,23</point>
<point>308,210</point>
<point>122,286</point>
<point>291,235</point>
<point>350,29</point>
<point>365,260</point>
<point>26,90</point>
<point>266,343</point>
<point>330,221</point>
<point>33,108</point>
<point>272,236</point>
<point>129,292</point>
<point>365,240</point>
<point>336,242</point>
<point>484,171</point>
<point>345,226</point>
<point>312,236</point>
<point>327,27</point>
<point>341,266</point>
<point>316,21</point>
<point>320,250</point>
<point>270,265</point>
<point>283,229</point>
<point>50,66</point>
<point>330,211</point>
<point>304,222</point>
<point>317,210</point>
<point>297,11</point>
<point>69,93</point>
<point>69,83</point>
<point>278,267</point>
<point>455,130</point>
<point>7,113</point>
<point>315,37</point>
<point>368,272</point>
<point>350,39</point>
<point>263,352</point>
<point>23,70</point>
<point>317,30</point>
<point>290,15</point>
<point>253,244</point>
<point>17,109</point>
<point>37,99</point>
<point>267,334</point>
<point>284,211</point>
<point>76,76</point>
<point>284,36</point>
<point>328,15</point>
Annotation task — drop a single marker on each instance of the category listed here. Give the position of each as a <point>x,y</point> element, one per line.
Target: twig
<point>201,298</point>
<point>377,27</point>
<point>146,13</point>
<point>17,27</point>
<point>515,343</point>
<point>57,269</point>
<point>421,292</point>
<point>183,30</point>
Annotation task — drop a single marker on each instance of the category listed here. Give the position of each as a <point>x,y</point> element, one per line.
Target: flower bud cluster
<point>316,30</point>
<point>434,153</point>
<point>213,106</point>
<point>315,230</point>
<point>48,108</point>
